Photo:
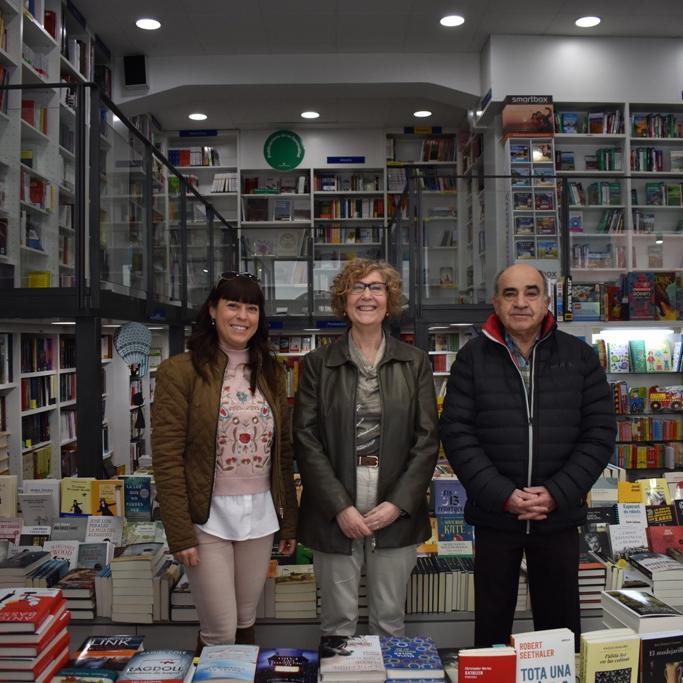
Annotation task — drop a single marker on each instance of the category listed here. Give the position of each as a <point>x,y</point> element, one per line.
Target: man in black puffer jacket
<point>528,426</point>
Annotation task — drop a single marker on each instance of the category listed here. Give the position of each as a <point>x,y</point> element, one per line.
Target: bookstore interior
<point>118,213</point>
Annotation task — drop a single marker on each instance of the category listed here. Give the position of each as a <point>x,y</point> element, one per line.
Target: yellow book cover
<point>43,462</point>
<point>431,544</point>
<point>610,658</point>
<point>76,496</point>
<point>655,491</point>
<point>107,497</point>
<point>629,492</point>
<point>38,278</point>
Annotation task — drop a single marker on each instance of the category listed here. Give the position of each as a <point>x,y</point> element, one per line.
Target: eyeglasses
<point>378,288</point>
<point>232,274</point>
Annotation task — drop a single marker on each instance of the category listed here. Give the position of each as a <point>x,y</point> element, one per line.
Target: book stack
<point>102,657</point>
<point>133,573</point>
<point>408,658</point>
<point>103,592</point>
<point>182,601</point>
<point>34,641</point>
<point>165,579</point>
<point>640,611</point>
<point>349,659</point>
<point>78,587</point>
<point>295,592</point>
<point>663,574</point>
<point>227,663</point>
<point>592,580</point>
<point>14,570</point>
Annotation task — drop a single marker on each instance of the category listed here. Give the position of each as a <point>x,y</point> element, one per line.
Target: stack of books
<point>133,573</point>
<point>349,659</point>
<point>295,592</point>
<point>182,601</point>
<point>34,641</point>
<point>662,573</point>
<point>609,655</point>
<point>14,570</point>
<point>78,587</point>
<point>640,611</point>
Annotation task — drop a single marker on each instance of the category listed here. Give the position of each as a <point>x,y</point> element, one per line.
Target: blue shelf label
<point>330,324</point>
<point>346,160</point>
<point>199,133</point>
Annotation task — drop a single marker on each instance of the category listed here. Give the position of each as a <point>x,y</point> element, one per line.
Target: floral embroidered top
<point>242,506</point>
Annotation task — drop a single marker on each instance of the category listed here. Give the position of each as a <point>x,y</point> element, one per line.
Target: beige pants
<point>227,584</point>
<point>387,570</point>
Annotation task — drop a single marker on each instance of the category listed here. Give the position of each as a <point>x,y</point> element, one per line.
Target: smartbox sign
<point>528,99</point>
<point>283,150</point>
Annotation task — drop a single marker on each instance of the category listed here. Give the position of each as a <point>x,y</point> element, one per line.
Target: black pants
<point>552,565</point>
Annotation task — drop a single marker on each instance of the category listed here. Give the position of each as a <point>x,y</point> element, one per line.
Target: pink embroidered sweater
<point>245,432</point>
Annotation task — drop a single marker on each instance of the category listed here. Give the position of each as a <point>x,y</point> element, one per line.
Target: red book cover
<point>28,111</point>
<point>661,538</point>
<point>30,644</point>
<point>50,23</point>
<point>485,665</point>
<point>37,665</point>
<point>25,609</point>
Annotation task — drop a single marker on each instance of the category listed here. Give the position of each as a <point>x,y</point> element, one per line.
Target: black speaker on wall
<point>135,71</point>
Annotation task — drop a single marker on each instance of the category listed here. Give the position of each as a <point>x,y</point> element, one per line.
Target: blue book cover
<point>454,528</point>
<point>406,657</point>
<point>448,496</point>
<point>227,662</point>
<point>137,497</point>
<point>287,664</point>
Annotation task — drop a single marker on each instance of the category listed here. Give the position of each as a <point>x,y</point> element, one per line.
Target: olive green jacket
<point>184,422</point>
<point>325,449</point>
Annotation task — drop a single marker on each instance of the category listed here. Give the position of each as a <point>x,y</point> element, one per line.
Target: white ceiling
<point>270,27</point>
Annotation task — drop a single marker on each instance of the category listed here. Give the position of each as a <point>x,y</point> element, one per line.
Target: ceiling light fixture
<point>587,22</point>
<point>148,24</point>
<point>422,114</point>
<point>659,239</point>
<point>198,117</point>
<point>309,114</point>
<point>452,20</point>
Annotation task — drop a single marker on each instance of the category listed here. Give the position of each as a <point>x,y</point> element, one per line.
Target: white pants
<point>387,572</point>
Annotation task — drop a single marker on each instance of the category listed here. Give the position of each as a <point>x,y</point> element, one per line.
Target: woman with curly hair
<point>365,438</point>
<point>222,457</point>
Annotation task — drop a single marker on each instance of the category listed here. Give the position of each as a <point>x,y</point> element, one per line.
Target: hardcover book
<point>545,655</point>
<point>661,538</point>
<point>448,496</point>
<point>641,295</point>
<point>407,658</point>
<point>487,665</point>
<point>356,657</point>
<point>661,655</point>
<point>23,610</point>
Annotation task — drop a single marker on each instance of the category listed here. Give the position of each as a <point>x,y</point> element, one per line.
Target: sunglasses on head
<point>232,274</point>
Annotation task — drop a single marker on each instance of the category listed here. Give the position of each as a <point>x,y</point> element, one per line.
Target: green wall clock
<point>283,150</point>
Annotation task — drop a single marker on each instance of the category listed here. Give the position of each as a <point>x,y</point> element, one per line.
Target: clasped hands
<point>531,503</point>
<point>355,525</point>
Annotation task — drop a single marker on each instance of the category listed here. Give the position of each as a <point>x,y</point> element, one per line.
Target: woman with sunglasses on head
<point>365,435</point>
<point>222,458</point>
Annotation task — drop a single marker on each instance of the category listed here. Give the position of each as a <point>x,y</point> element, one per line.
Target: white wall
<point>586,69</point>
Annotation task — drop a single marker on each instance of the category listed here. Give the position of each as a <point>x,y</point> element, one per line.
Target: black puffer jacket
<point>496,444</point>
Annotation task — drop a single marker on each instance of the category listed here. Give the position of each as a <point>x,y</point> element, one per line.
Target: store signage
<point>331,324</point>
<point>283,150</point>
<point>422,130</point>
<point>198,133</point>
<point>345,160</point>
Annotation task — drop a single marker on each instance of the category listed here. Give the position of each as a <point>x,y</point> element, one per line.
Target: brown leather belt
<point>368,461</point>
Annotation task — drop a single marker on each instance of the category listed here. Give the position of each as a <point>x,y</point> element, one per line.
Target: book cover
<point>286,664</point>
<point>63,550</point>
<point>660,515</point>
<point>655,491</point>
<point>657,566</point>
<point>641,295</point>
<point>25,609</point>
<point>137,497</point>
<point>169,666</point>
<point>76,497</point>
<point>94,555</point>
<point>638,355</point>
<point>357,656</point>
<point>411,657</point>
<point>106,653</point>
<point>78,583</point>
<point>661,657</point>
<point>487,665</point>
<point>227,663</point>
<point>107,497</point>
<point>611,659</point>
<point>104,529</point>
<point>666,295</point>
<point>661,538</point>
<point>545,655</point>
<point>448,496</point>
<point>626,539</point>
<point>618,357</point>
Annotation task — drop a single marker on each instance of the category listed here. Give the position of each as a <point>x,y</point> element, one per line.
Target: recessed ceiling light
<point>63,322</point>
<point>148,24</point>
<point>309,114</point>
<point>198,117</point>
<point>587,22</point>
<point>422,114</point>
<point>452,20</point>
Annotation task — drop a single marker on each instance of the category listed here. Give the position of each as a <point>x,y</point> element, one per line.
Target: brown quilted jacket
<point>185,420</point>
